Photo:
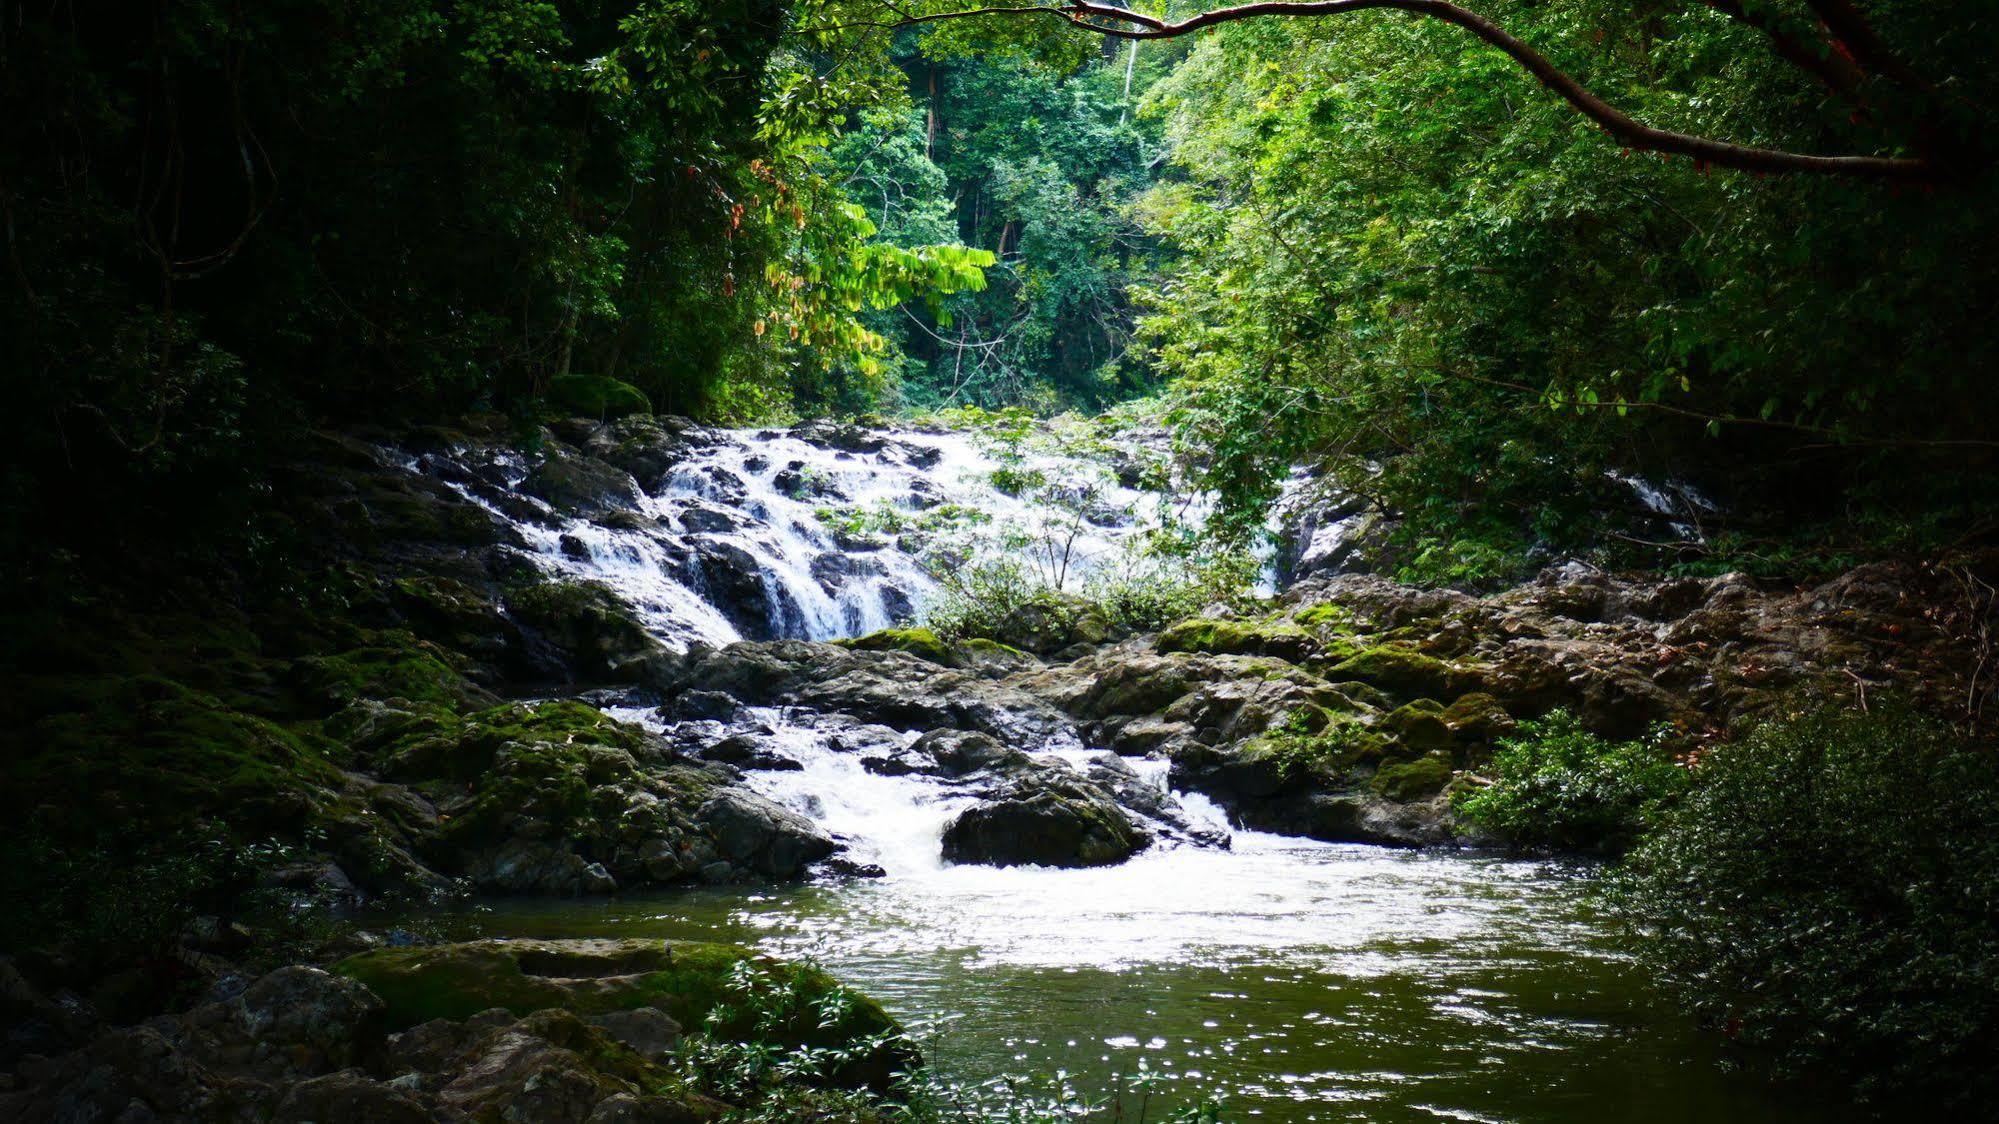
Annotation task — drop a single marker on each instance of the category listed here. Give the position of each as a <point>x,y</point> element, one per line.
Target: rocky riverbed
<point>620,659</point>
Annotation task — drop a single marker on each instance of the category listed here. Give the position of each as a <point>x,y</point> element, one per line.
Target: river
<point>1293,980</point>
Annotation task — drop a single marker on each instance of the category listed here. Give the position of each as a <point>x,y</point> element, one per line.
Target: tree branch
<point>1122,23</point>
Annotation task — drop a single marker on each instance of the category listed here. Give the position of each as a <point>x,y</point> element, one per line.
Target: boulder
<point>578,484</point>
<point>762,836</point>
<point>1050,818</point>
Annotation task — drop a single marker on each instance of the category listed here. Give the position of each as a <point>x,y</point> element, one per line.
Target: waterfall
<point>749,533</point>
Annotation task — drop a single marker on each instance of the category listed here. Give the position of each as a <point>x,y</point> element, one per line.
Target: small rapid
<point>1294,980</point>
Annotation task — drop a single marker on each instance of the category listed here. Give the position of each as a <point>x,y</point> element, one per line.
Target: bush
<point>1147,594</point>
<point>1828,896</point>
<point>1556,784</point>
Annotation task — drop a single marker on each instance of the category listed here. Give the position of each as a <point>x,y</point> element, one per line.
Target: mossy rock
<point>397,666</point>
<point>1400,670</point>
<point>1420,728</point>
<point>921,642</point>
<point>1279,638</point>
<point>1324,616</point>
<point>596,396</point>
<point>1405,781</point>
<point>146,750</point>
<point>463,748</point>
<point>687,980</point>
<point>1478,718</point>
<point>601,633</point>
<point>1314,745</point>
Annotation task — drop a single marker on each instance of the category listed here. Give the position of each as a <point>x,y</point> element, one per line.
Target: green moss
<point>687,980</point>
<point>1275,637</point>
<point>596,396</point>
<point>1325,616</point>
<point>1313,743</point>
<point>1478,717</point>
<point>1398,669</point>
<point>547,739</point>
<point>398,666</point>
<point>1424,777</point>
<point>148,750</point>
<point>983,646</point>
<point>916,641</point>
<point>1419,728</point>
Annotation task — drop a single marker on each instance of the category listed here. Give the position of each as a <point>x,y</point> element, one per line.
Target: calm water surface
<point>1300,981</point>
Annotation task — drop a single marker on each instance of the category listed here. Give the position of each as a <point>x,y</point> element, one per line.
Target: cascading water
<point>1304,981</point>
<point>743,536</point>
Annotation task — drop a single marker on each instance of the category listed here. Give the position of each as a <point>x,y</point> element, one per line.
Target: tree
<point>1838,47</point>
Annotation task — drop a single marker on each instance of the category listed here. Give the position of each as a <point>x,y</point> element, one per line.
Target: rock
<point>1052,818</point>
<point>641,990</point>
<point>1399,669</point>
<point>351,1097</point>
<point>1140,685</point>
<point>647,448</point>
<point>579,484</point>
<point>745,751</point>
<point>600,635</point>
<point>755,833</point>
<point>1148,800</point>
<point>322,1021</point>
<point>737,584</point>
<point>1280,638</point>
<point>1053,624</point>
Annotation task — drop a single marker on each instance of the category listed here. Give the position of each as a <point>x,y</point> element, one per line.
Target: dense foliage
<point>1039,165</point>
<point>1556,784</point>
<point>1828,894</point>
<point>225,221</point>
<point>1401,258</point>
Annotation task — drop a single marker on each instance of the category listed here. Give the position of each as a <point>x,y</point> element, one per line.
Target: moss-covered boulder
<point>1400,670</point>
<point>149,753</point>
<point>596,396</point>
<point>688,981</point>
<point>1140,685</point>
<point>1420,727</point>
<point>921,642</point>
<point>1406,781</point>
<point>395,666</point>
<point>1053,623</point>
<point>558,798</point>
<point>1276,637</point>
<point>599,634</point>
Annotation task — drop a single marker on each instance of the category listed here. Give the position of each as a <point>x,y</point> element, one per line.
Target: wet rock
<point>1151,801</point>
<point>701,518</point>
<point>579,484</point>
<point>647,448</point>
<point>841,436</point>
<point>746,751</point>
<point>1050,818</point>
<point>763,836</point>
<point>598,635</point>
<point>738,585</point>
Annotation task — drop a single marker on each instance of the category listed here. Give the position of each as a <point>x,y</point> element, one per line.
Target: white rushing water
<point>754,535</point>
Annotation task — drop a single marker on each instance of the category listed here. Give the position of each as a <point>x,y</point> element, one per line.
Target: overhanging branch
<point>1123,23</point>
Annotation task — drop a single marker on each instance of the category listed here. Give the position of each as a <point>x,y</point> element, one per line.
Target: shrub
<point>1556,784</point>
<point>1145,594</point>
<point>1828,896</point>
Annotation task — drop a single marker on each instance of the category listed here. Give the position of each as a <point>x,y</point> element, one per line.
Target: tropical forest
<point>999,561</point>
